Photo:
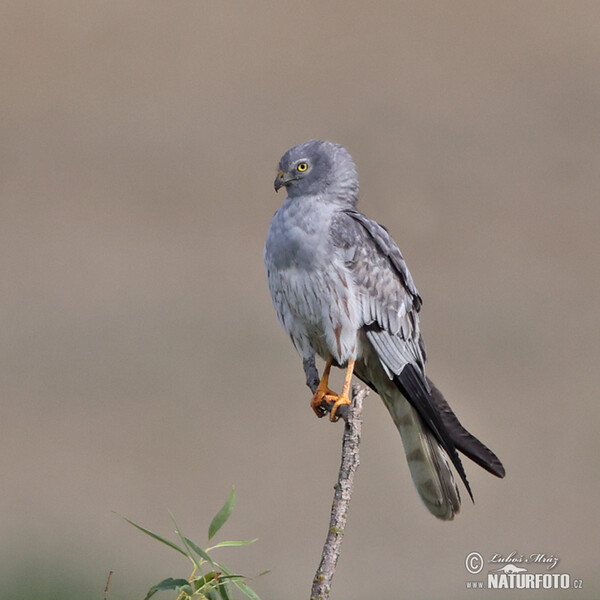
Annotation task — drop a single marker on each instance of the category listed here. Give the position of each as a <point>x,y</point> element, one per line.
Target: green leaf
<point>233,543</point>
<point>201,553</point>
<point>203,581</point>
<point>222,515</point>
<point>169,584</point>
<point>223,591</point>
<point>248,591</point>
<point>187,545</point>
<point>156,536</point>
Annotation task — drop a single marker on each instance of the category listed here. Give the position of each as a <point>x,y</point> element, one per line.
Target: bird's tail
<point>428,462</point>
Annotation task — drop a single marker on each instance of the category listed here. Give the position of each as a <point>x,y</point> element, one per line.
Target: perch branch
<point>342,494</point>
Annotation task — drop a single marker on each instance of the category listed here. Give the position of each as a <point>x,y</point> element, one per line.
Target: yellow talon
<point>341,401</point>
<point>325,395</point>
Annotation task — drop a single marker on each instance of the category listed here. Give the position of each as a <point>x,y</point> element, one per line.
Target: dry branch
<point>342,495</point>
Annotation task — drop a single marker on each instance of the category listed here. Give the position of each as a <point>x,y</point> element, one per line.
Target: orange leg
<point>323,393</point>
<point>343,398</point>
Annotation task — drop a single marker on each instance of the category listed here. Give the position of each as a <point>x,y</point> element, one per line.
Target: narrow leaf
<point>248,591</point>
<point>222,515</point>
<point>233,543</point>
<point>169,584</point>
<point>203,581</point>
<point>223,568</point>
<point>201,553</point>
<point>223,591</point>
<point>156,536</point>
<point>189,553</point>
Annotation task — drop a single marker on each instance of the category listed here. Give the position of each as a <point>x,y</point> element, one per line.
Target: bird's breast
<point>313,292</point>
<point>298,237</point>
<point>317,307</point>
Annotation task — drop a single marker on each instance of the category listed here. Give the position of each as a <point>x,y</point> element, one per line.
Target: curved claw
<point>341,400</point>
<point>320,399</point>
<point>323,393</point>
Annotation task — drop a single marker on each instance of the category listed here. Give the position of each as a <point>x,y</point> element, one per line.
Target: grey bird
<point>341,289</point>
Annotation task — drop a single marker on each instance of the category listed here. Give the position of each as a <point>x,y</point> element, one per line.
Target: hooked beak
<point>281,180</point>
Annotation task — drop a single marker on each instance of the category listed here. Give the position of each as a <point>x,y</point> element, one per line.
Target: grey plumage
<point>341,288</point>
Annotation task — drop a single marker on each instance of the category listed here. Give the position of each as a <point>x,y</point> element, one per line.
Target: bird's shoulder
<point>372,253</point>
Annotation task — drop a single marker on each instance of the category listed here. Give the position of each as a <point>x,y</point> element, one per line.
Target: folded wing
<point>390,303</point>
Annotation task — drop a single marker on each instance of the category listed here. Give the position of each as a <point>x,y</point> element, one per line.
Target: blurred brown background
<point>142,365</point>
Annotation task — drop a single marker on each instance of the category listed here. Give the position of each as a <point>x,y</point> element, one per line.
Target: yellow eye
<point>302,166</point>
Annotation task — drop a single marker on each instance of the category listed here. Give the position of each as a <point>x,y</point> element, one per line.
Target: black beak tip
<point>280,180</point>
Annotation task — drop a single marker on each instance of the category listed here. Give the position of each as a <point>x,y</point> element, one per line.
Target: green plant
<point>209,579</point>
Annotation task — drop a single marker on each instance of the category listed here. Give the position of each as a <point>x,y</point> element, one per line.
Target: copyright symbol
<point>474,563</point>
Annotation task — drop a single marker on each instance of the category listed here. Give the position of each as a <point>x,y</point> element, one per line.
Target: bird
<point>342,291</point>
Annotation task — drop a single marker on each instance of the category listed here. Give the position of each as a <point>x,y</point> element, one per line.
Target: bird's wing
<point>389,304</point>
<point>389,301</point>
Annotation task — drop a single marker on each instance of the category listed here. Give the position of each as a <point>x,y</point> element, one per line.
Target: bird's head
<point>318,167</point>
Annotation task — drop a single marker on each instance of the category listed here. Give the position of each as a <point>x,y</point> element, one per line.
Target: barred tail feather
<point>428,463</point>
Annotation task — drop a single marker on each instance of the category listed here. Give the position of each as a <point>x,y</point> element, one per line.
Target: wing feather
<point>389,300</point>
<point>464,441</point>
<point>389,304</point>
